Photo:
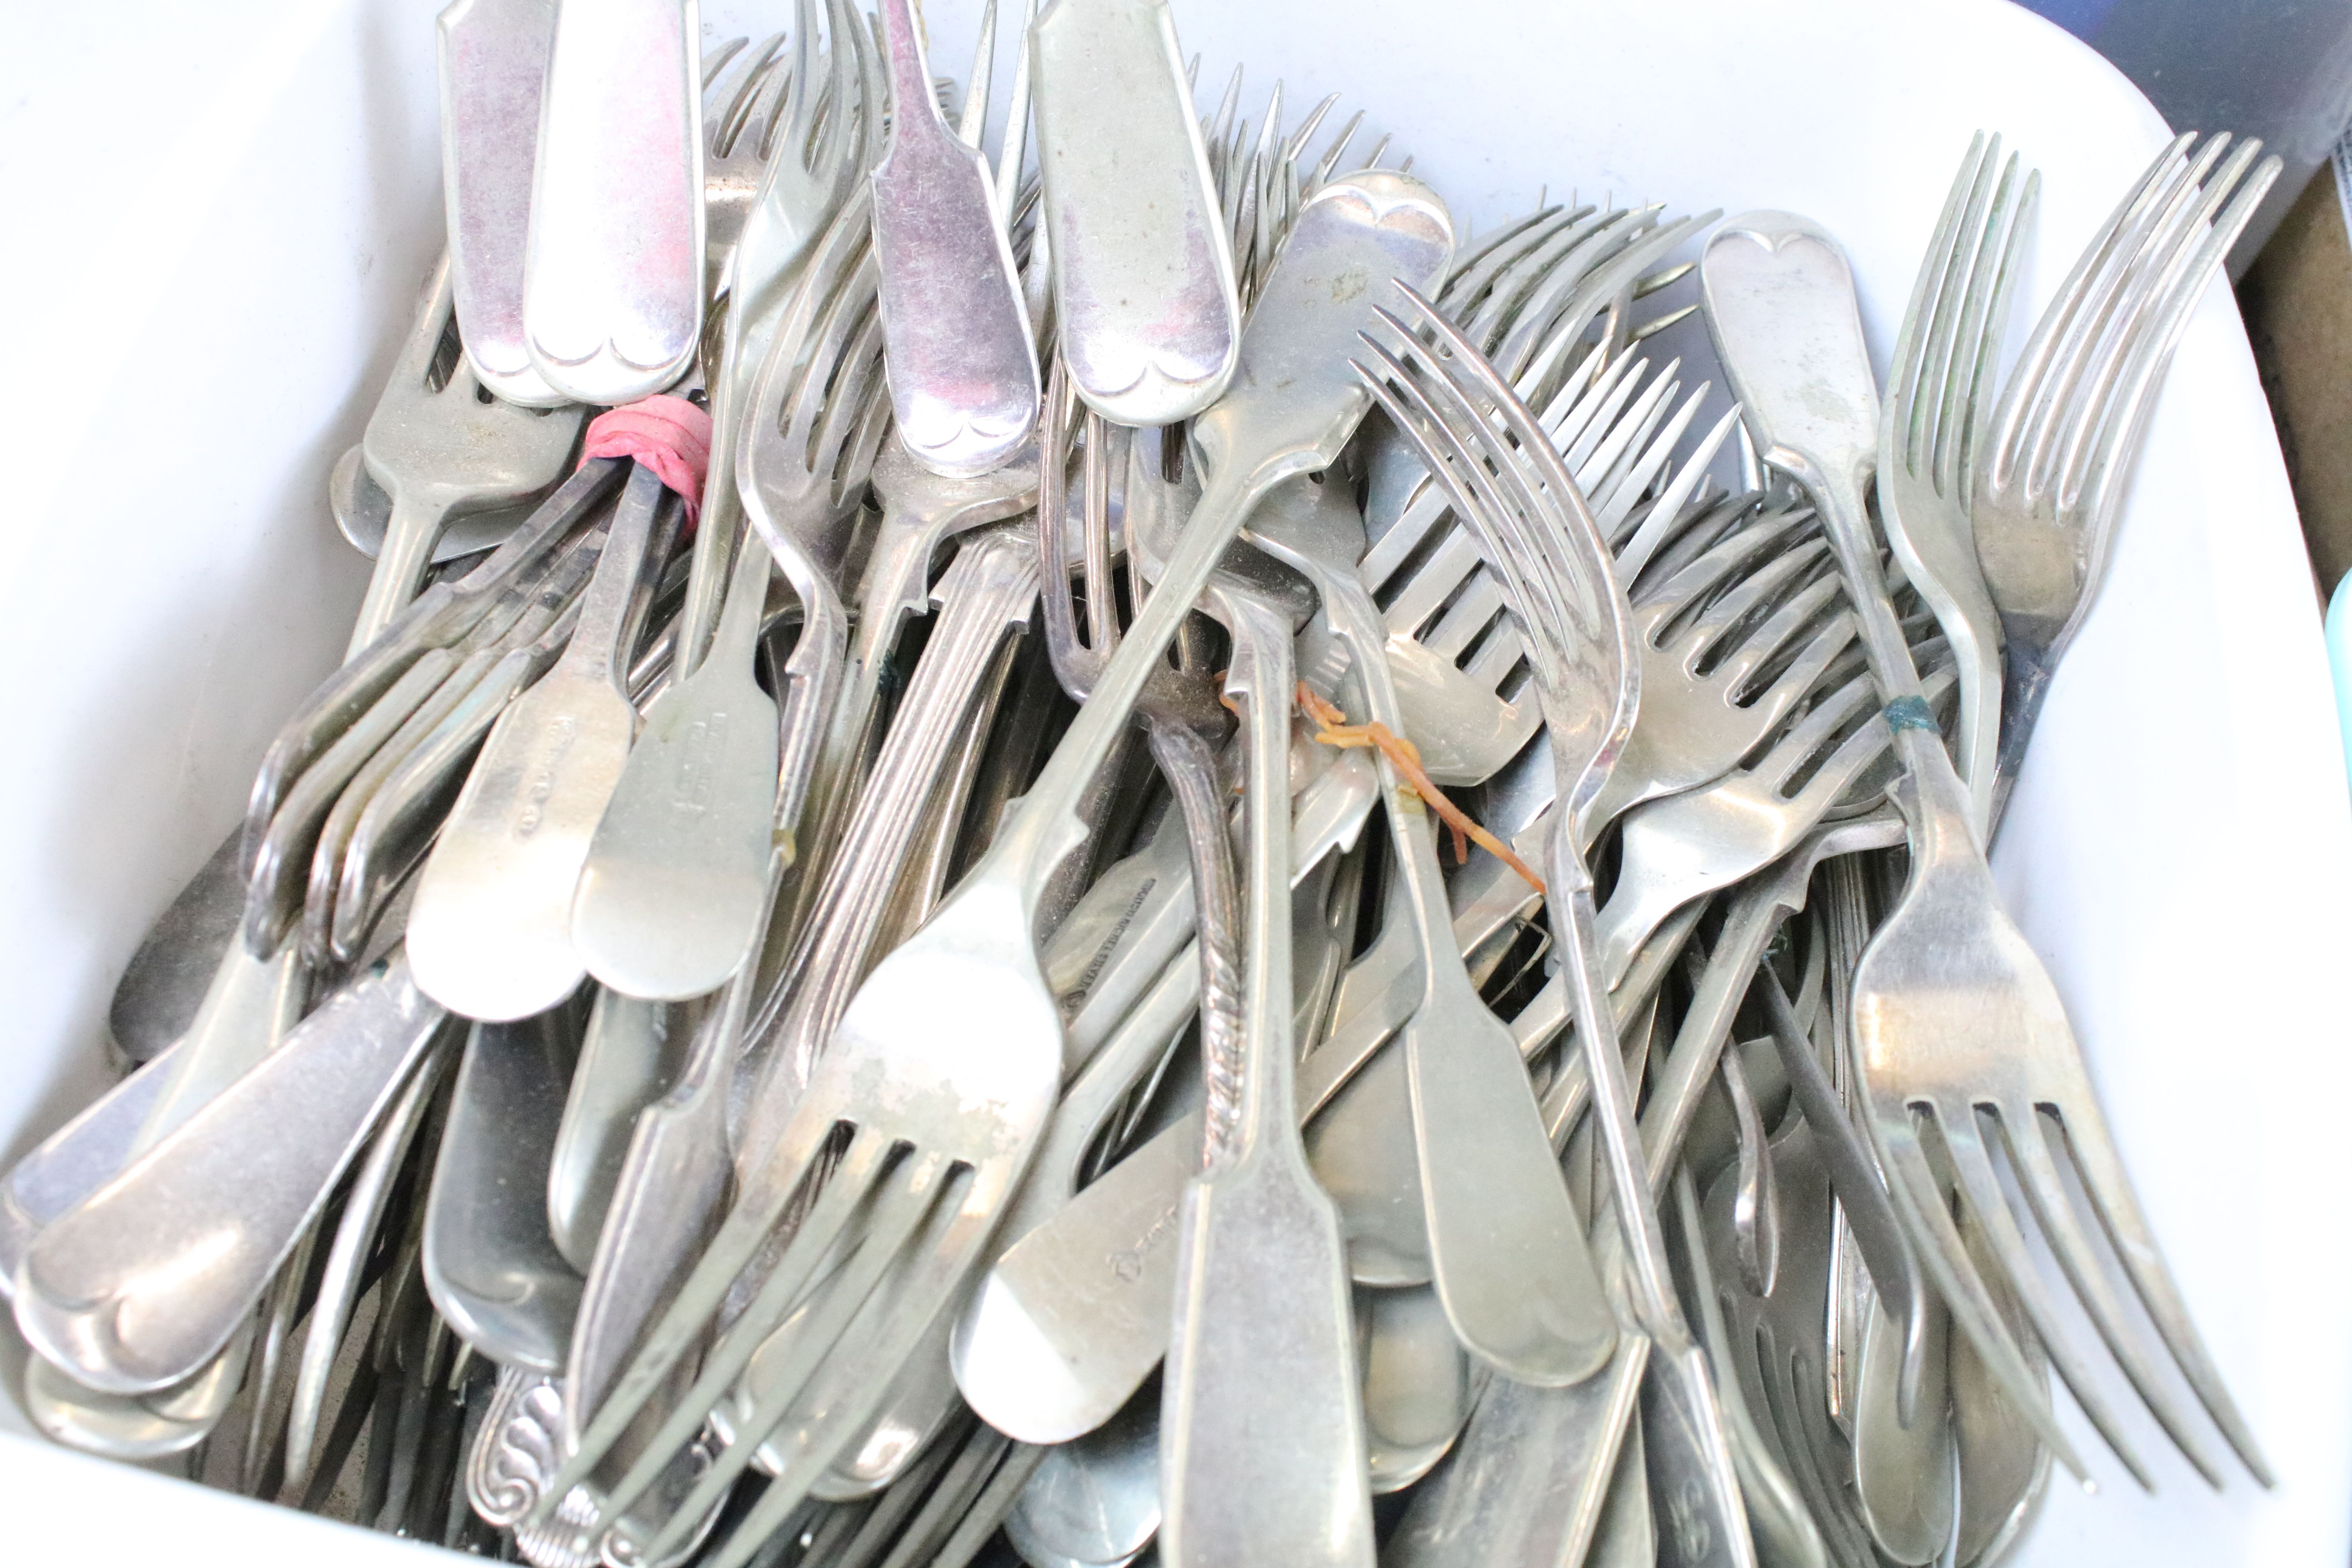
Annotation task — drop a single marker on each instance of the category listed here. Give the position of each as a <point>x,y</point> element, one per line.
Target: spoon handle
<point>613,609</point>
<point>140,1284</point>
<point>1262,1438</point>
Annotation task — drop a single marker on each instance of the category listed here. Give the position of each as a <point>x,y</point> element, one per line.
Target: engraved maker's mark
<point>698,773</point>
<point>540,785</point>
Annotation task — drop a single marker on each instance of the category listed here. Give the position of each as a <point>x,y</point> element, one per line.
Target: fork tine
<point>1685,541</point>
<point>1774,637</point>
<point>2054,1211</point>
<point>1834,778</point>
<point>1017,123</point>
<point>1474,270</point>
<point>974,121</point>
<point>1453,563</point>
<point>2093,1155</point>
<point>680,1327</point>
<point>1596,288</point>
<point>2018,412</point>
<point>799,123</point>
<point>1904,375</point>
<point>1541,248</point>
<point>1074,665</point>
<point>2086,327</point>
<point>1220,126</point>
<point>1982,395</point>
<point>1628,431</point>
<point>1807,667</point>
<point>1919,383</point>
<point>719,56</point>
<point>1470,613</point>
<point>1980,1189</point>
<point>1725,559</point>
<point>1970,355</point>
<point>867,1198</point>
<point>1587,401</point>
<point>2105,437</point>
<point>1811,735</point>
<point>899,1203</point>
<point>1505,550</point>
<point>847,1396</point>
<point>2167,234</point>
<point>1738,603</point>
<point>1324,165</point>
<point>1919,1197</point>
<point>1604,414</point>
<point>1296,147</point>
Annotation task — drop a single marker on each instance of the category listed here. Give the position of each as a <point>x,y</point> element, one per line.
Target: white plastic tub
<point>217,218</point>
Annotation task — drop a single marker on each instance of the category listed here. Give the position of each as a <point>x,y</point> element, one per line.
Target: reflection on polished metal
<point>612,286</point>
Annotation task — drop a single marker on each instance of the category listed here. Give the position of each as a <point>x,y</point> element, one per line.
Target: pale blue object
<point>2339,660</point>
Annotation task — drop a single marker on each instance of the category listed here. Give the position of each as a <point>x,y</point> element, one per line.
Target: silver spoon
<point>490,1263</point>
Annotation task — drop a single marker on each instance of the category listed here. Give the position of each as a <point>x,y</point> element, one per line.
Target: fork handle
<point>1838,495</point>
<point>408,542</point>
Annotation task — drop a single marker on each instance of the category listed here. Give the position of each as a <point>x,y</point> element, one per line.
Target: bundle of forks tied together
<point>1152,857</point>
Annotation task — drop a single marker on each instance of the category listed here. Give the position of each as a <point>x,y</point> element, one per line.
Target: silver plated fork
<point>1961,1041</point>
<point>2050,471</point>
<point>1939,400</point>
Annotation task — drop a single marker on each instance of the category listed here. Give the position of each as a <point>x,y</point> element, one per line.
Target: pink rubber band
<point>669,435</point>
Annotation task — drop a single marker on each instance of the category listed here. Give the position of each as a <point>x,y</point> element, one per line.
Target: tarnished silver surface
<point>962,364</point>
<point>493,58</point>
<point>491,933</point>
<point>139,1286</point>
<point>1145,302</point>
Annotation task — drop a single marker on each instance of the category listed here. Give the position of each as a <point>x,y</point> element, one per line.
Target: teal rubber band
<point>1911,713</point>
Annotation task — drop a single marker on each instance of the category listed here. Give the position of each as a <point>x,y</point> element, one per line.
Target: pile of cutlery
<point>1141,856</point>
